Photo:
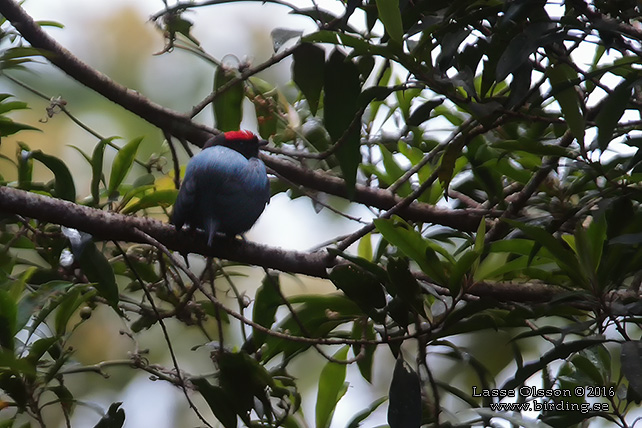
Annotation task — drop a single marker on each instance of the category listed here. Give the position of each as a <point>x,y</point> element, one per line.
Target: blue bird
<point>225,188</point>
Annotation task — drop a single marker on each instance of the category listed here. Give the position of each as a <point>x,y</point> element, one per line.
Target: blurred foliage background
<point>519,121</point>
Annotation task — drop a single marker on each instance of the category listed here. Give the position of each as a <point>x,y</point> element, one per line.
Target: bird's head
<point>244,142</point>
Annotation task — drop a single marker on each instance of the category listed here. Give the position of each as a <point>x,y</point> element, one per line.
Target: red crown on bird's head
<point>239,135</point>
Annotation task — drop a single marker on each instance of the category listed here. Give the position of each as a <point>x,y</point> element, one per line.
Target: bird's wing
<point>185,201</point>
<point>212,172</point>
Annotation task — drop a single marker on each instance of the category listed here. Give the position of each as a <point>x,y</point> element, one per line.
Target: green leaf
<point>631,360</point>
<point>596,234</point>
<point>267,301</point>
<point>97,169</point>
<point>361,287</point>
<point>394,171</point>
<point>244,380</point>
<point>45,23</point>
<point>413,245</point>
<point>359,417</point>
<point>405,285</point>
<point>332,387</point>
<point>66,307</point>
<point>98,270</point>
<point>158,198</point>
<point>319,314</point>
<point>560,351</point>
<point>122,164</point>
<point>461,268</point>
<point>25,166</point>
<point>390,16</point>
<point>39,347</point>
<point>12,105</point>
<point>358,333</point>
<point>533,147</point>
<point>563,257</point>
<point>364,249</point>
<point>422,113</point>
<point>64,183</point>
<point>612,110</point>
<point>308,62</point>
<point>447,165</point>
<point>218,401</point>
<point>404,410</point>
<point>374,93</point>
<point>562,78</point>
<point>228,105</point>
<point>8,319</point>
<point>342,89</point>
<point>9,127</point>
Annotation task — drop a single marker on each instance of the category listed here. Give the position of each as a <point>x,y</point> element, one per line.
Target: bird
<point>225,188</point>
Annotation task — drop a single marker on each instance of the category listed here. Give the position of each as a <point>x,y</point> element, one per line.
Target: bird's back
<point>222,192</point>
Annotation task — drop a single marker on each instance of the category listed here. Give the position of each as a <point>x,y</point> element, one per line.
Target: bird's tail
<point>211,228</point>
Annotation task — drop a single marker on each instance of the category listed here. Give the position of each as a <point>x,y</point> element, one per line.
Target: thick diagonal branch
<point>105,225</point>
<point>183,127</point>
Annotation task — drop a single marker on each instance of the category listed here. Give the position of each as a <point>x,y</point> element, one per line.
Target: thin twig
<point>170,348</point>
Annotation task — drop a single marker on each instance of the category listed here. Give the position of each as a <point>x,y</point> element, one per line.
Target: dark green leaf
<point>244,380</point>
<point>404,410</point>
<point>361,287</point>
<point>281,36</point>
<point>308,62</point>
<point>378,93</point>
<point>64,183</point>
<point>422,113</point>
<point>404,284</point>
<point>342,89</point>
<point>447,165</point>
<point>39,347</point>
<point>115,417</point>
<point>123,163</point>
<point>612,110</point>
<point>560,351</point>
<point>25,166</point>
<point>228,105</point>
<point>98,270</point>
<point>461,268</point>
<point>267,301</point>
<point>358,333</point>
<point>564,258</point>
<point>218,401</point>
<point>66,307</point>
<point>8,318</point>
<point>9,127</point>
<point>331,388</point>
<point>319,315</point>
<point>97,169</point>
<point>562,77</point>
<point>631,360</point>
<point>533,147</point>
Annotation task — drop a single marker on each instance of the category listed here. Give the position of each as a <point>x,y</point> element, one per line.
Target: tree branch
<point>175,123</point>
<point>183,127</point>
<point>106,225</point>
